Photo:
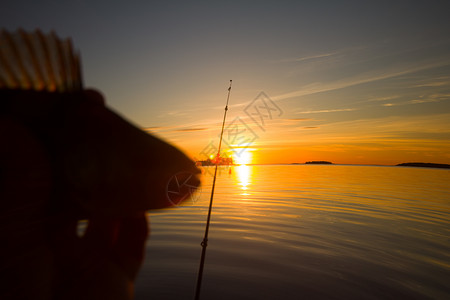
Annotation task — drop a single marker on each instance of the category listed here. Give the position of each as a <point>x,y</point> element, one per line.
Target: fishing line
<point>204,243</point>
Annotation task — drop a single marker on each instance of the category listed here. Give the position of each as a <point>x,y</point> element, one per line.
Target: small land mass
<point>318,162</point>
<point>424,165</point>
<point>227,161</point>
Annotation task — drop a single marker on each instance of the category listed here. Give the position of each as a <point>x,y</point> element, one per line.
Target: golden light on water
<point>243,177</point>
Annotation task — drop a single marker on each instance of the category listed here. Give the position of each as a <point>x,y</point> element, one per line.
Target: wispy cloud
<point>385,98</point>
<point>326,111</point>
<point>315,88</point>
<point>431,130</point>
<point>190,129</point>
<point>176,113</point>
<point>305,58</point>
<point>300,119</point>
<point>434,82</point>
<point>232,106</point>
<point>429,99</point>
<point>386,128</point>
<point>325,56</point>
<point>151,128</point>
<point>176,128</point>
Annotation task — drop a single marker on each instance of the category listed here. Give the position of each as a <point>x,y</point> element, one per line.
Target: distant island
<point>424,165</point>
<point>318,162</point>
<point>227,161</point>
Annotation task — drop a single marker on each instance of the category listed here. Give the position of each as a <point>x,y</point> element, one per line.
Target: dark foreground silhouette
<point>66,157</point>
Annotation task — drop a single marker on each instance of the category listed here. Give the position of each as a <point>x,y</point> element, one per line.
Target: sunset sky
<point>358,82</point>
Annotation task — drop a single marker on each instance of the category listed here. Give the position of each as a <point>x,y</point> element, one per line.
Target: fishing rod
<point>204,243</point>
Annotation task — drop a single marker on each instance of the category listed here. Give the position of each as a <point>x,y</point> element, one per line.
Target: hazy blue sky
<point>357,81</point>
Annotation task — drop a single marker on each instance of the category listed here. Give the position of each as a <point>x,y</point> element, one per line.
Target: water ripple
<point>323,232</point>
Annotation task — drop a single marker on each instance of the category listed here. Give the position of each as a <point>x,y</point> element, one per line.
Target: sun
<point>242,158</point>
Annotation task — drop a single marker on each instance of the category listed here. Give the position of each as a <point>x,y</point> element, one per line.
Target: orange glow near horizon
<point>384,153</point>
<point>243,158</point>
<point>380,141</point>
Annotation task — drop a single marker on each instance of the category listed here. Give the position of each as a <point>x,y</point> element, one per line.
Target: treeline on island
<point>318,162</point>
<point>408,164</point>
<point>424,165</point>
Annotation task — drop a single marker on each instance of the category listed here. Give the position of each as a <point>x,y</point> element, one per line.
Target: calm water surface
<point>306,232</point>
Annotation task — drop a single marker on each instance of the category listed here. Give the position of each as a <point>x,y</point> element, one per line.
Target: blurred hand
<point>41,256</point>
<point>104,262</point>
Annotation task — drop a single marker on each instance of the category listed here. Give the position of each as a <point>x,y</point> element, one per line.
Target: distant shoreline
<point>416,165</point>
<point>424,165</point>
<point>318,162</point>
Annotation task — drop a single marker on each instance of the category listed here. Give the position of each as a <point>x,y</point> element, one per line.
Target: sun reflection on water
<point>363,220</point>
<point>244,175</point>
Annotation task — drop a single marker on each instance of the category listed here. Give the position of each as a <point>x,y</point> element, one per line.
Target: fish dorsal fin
<point>37,61</point>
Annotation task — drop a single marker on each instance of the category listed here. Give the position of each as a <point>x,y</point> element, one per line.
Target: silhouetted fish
<point>100,163</point>
<point>64,157</point>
